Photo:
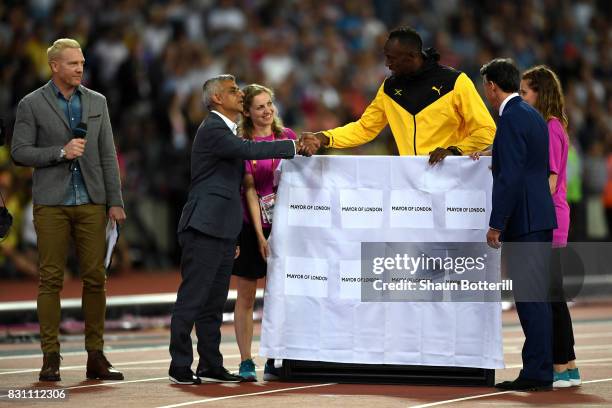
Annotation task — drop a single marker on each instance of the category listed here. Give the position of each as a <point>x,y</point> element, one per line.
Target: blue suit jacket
<point>217,167</point>
<point>521,194</point>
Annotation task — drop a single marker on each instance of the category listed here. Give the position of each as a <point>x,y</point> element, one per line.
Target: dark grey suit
<point>42,129</point>
<point>208,228</point>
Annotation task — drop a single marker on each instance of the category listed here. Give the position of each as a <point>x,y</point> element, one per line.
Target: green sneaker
<point>247,370</point>
<point>574,376</point>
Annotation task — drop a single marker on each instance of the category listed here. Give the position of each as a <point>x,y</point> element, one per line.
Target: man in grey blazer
<point>63,130</point>
<point>209,226</point>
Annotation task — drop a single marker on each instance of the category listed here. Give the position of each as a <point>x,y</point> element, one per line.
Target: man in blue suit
<point>208,229</point>
<point>523,217</point>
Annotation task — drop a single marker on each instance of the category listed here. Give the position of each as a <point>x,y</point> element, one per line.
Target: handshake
<point>308,143</point>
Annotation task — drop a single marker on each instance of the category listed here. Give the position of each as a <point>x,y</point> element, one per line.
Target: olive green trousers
<point>56,227</point>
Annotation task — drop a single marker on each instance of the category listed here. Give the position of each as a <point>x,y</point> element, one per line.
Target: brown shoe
<point>99,368</point>
<point>50,369</point>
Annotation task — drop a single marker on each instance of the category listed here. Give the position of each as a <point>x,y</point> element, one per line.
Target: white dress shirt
<point>503,104</point>
<point>230,123</point>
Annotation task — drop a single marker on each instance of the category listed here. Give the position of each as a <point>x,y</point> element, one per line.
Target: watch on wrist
<point>62,153</point>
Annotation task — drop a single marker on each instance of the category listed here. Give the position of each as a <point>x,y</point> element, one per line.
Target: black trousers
<point>206,267</point>
<point>563,333</point>
<point>528,265</point>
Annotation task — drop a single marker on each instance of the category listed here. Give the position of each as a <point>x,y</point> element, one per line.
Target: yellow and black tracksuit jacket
<point>437,107</point>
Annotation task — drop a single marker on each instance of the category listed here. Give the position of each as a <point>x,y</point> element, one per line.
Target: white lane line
<point>433,404</point>
<point>251,394</point>
<point>77,367</point>
<point>126,363</point>
<point>597,381</point>
<point>84,353</point>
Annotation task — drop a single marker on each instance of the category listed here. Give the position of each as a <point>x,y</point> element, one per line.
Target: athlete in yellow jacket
<point>432,109</point>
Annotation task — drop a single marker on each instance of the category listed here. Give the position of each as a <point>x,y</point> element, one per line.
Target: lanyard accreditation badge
<point>266,203</point>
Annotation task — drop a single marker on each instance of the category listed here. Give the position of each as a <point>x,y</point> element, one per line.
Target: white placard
<point>350,279</point>
<point>466,209</point>
<point>411,209</point>
<point>306,277</point>
<point>309,208</point>
<point>361,208</point>
<point>309,318</point>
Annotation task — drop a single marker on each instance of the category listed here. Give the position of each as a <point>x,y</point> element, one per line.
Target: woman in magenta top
<point>260,123</point>
<point>541,88</point>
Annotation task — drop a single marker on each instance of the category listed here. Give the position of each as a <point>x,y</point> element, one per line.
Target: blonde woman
<point>260,123</point>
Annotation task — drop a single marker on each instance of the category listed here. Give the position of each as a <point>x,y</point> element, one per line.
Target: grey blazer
<point>42,129</point>
<point>214,206</point>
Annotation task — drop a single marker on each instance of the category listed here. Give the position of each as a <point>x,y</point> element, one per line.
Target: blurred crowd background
<point>324,60</point>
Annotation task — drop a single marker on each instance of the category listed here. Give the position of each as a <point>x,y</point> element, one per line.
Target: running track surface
<point>143,357</point>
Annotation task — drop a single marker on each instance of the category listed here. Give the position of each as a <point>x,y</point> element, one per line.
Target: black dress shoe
<point>523,384</point>
<point>183,375</point>
<point>218,374</point>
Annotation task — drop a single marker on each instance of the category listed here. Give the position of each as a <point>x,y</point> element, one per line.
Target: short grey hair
<point>212,86</point>
<point>60,45</point>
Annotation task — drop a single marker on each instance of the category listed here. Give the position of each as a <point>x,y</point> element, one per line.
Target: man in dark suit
<point>522,216</point>
<point>209,226</point>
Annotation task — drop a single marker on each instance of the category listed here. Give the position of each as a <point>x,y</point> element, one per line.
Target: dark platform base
<point>320,371</point>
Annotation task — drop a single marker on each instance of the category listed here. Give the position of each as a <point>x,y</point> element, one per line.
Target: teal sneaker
<point>247,370</point>
<point>574,376</point>
<point>561,380</point>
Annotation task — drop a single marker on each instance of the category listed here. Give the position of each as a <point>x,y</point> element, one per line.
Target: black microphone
<point>79,132</point>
